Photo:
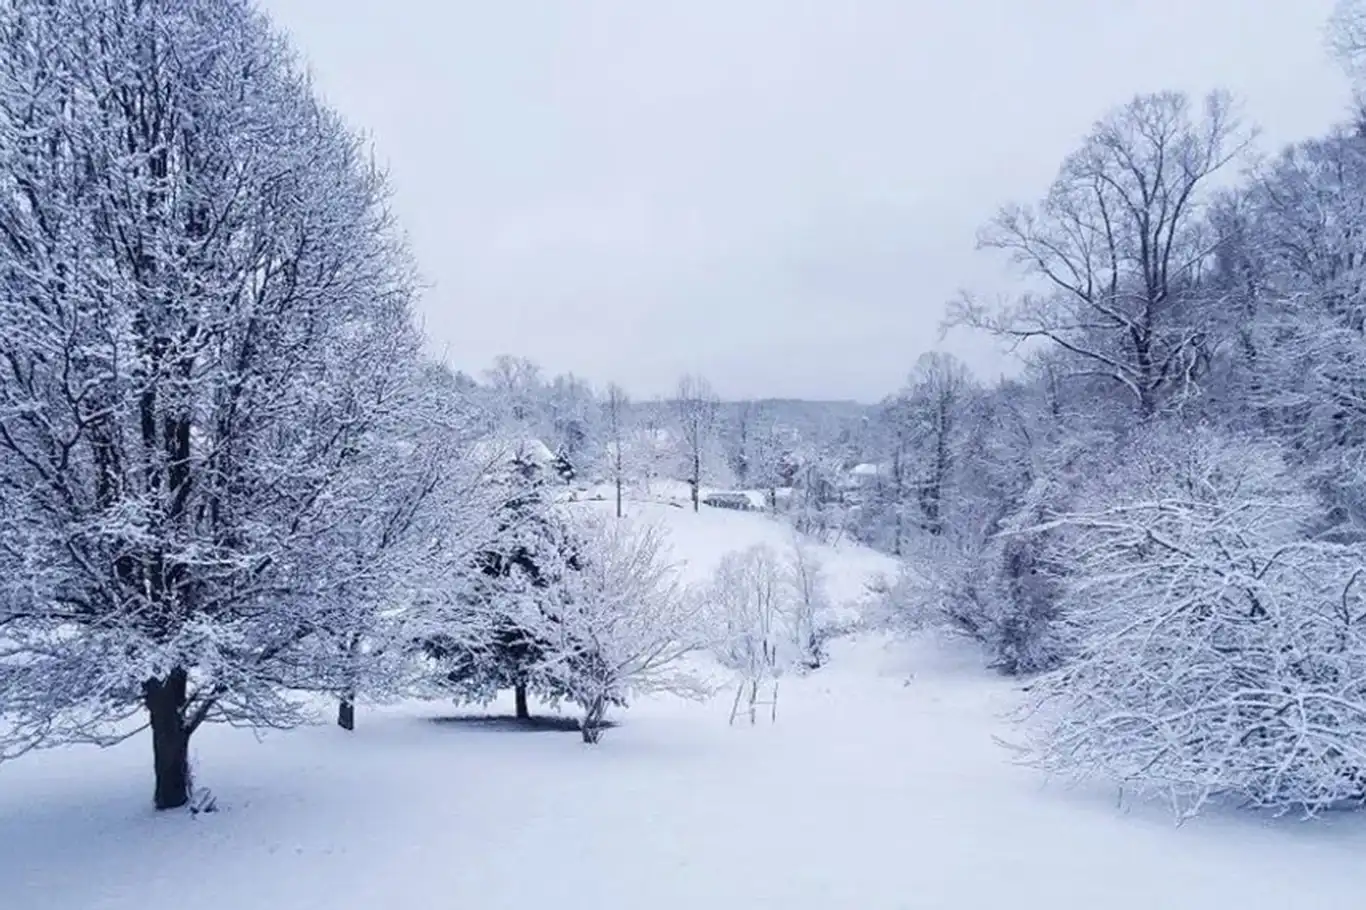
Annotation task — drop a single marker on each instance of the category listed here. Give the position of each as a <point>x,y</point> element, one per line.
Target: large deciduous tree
<point>1118,247</point>
<point>203,305</point>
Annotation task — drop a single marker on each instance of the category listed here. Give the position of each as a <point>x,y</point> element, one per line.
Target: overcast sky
<point>778,194</point>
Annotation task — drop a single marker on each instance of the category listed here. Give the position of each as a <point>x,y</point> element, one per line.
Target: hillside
<point>878,787</point>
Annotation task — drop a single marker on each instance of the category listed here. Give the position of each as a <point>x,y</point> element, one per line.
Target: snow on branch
<point>1220,651</point>
<point>627,623</point>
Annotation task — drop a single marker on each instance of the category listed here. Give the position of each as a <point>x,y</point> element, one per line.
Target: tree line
<point>1160,520</point>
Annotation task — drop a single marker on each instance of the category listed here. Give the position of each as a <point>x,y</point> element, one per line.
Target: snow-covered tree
<point>1120,243</point>
<point>941,391</point>
<point>414,528</point>
<point>1347,38</point>
<point>768,461</point>
<point>650,447</point>
<point>1016,453</point>
<point>570,425</point>
<point>615,408</point>
<point>1219,650</point>
<point>818,505</point>
<point>204,301</point>
<point>923,433</point>
<point>752,608</point>
<point>627,621</point>
<point>1296,298</point>
<point>737,438</point>
<point>517,392</point>
<point>695,411</point>
<point>883,499</point>
<point>804,575</point>
<point>507,623</point>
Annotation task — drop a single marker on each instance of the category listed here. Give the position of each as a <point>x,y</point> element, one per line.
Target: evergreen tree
<point>514,617</point>
<point>564,466</point>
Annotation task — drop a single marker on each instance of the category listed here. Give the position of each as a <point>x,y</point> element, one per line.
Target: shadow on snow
<point>506,722</point>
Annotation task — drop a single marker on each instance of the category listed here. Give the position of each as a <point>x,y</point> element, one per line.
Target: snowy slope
<point>878,787</point>
<point>700,540</point>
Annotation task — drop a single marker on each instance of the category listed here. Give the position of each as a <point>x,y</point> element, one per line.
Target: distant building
<point>741,502</point>
<point>498,453</point>
<point>862,476</point>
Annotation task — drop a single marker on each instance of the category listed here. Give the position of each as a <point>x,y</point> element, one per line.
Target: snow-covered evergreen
<point>506,624</point>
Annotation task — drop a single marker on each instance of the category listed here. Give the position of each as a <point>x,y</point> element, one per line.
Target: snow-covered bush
<point>767,607</point>
<point>626,621</point>
<point>1000,592</point>
<point>1021,616</point>
<point>892,602</point>
<point>1219,651</point>
<point>995,579</point>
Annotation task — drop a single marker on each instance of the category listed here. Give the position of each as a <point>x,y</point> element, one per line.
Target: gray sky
<point>779,194</point>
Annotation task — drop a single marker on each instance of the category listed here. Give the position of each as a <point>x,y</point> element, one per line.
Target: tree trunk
<point>618,493</point>
<point>523,712</point>
<point>346,707</point>
<point>696,479</point>
<point>813,650</point>
<point>898,504</point>
<point>592,720</point>
<point>165,702</point>
<point>346,711</point>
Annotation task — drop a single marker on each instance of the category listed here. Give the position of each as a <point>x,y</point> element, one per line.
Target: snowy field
<point>880,786</point>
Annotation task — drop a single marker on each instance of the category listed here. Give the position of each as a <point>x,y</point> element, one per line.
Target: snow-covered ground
<point>700,540</point>
<point>879,786</point>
